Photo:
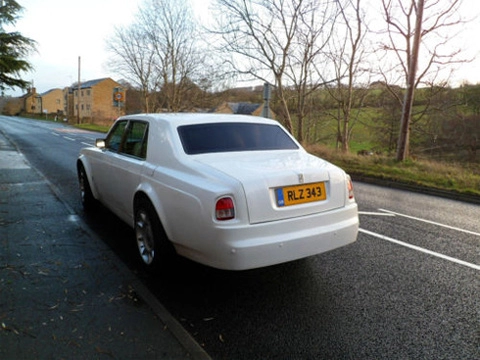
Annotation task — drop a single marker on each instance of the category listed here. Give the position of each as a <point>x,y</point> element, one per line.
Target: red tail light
<point>350,188</point>
<point>224,209</point>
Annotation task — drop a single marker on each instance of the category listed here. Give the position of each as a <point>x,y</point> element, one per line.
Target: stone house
<point>53,102</point>
<point>32,102</point>
<point>101,101</point>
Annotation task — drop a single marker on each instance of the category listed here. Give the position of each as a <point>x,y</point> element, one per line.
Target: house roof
<point>90,83</point>
<point>29,94</point>
<point>48,92</point>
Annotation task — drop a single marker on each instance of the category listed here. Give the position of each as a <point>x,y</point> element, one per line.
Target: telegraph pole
<point>78,93</point>
<point>266,100</point>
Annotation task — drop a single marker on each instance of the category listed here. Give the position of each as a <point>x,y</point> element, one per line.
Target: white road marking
<point>86,144</point>
<point>432,222</point>
<point>418,248</point>
<point>69,138</point>
<point>374,213</point>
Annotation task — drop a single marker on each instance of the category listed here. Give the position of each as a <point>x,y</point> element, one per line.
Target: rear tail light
<point>224,209</point>
<point>350,188</point>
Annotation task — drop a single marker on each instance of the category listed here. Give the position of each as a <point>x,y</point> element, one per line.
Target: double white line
<point>418,248</point>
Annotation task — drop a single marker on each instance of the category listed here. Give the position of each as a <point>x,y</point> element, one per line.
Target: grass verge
<point>93,127</point>
<point>463,179</point>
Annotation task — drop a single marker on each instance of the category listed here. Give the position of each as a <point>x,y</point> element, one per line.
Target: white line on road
<point>418,248</point>
<point>86,144</point>
<point>69,138</point>
<point>431,222</point>
<point>374,213</point>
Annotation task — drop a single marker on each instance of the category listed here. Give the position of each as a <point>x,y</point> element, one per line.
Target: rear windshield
<point>225,137</point>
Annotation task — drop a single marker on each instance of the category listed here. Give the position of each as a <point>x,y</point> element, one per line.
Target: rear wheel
<point>86,195</point>
<point>154,248</point>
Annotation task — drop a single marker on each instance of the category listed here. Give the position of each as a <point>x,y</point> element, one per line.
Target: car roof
<point>179,119</point>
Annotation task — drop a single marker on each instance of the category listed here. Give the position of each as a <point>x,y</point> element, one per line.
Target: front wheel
<point>86,195</point>
<point>154,248</point>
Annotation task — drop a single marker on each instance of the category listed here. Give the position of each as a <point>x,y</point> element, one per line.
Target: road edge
<point>177,330</point>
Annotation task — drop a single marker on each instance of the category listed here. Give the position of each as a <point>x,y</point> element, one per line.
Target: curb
<point>184,338</point>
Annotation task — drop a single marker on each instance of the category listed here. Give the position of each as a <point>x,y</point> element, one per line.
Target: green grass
<point>459,178</point>
<point>51,118</point>
<point>462,178</point>
<point>93,127</point>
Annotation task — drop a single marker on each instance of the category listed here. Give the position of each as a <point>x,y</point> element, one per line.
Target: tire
<point>154,249</point>
<point>89,203</point>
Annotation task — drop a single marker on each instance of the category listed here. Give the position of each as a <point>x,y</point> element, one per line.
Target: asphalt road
<point>408,288</point>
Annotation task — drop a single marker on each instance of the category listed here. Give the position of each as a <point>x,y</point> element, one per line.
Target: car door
<point>120,172</point>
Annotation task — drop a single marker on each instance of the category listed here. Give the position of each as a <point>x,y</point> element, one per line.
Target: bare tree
<point>134,59</point>
<point>347,57</point>
<point>418,27</point>
<point>304,73</point>
<point>279,39</point>
<point>160,53</point>
<point>172,33</point>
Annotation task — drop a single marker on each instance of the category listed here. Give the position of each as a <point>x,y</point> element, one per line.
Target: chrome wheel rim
<point>145,239</point>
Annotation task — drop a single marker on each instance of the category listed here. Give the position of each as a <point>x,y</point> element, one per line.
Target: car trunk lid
<point>276,183</point>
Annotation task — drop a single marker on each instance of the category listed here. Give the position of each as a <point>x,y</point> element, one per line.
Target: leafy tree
<point>13,48</point>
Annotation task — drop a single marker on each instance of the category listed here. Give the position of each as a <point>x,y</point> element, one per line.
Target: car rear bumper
<point>260,245</point>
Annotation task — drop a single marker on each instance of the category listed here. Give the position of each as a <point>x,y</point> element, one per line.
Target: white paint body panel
<point>184,188</point>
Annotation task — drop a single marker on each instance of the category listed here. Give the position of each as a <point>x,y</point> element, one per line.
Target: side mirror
<point>100,143</point>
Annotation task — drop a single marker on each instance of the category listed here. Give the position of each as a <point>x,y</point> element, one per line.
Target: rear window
<point>226,137</point>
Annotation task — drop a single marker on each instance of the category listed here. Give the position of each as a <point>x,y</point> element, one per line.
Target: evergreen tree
<point>13,48</point>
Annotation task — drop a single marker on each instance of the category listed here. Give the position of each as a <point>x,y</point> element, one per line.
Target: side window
<point>114,138</point>
<point>135,142</point>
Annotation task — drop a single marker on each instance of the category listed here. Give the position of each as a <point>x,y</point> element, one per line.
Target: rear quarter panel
<point>183,191</point>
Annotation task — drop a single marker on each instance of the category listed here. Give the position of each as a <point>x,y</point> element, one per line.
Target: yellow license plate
<point>300,194</point>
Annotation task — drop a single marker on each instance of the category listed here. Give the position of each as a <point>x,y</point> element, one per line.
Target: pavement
<point>63,293</point>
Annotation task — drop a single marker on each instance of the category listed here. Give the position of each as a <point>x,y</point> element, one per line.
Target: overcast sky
<point>67,29</point>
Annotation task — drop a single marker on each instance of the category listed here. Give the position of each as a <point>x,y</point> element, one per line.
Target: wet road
<point>408,288</point>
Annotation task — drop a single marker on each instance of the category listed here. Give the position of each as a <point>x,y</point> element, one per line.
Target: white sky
<point>67,29</point>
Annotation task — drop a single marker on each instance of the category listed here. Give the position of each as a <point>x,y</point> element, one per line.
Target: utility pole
<point>78,93</point>
<point>266,100</point>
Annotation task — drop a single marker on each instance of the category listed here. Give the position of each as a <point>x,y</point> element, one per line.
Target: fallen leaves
<point>14,330</point>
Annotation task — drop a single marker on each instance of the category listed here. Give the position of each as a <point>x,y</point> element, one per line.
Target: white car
<point>232,192</point>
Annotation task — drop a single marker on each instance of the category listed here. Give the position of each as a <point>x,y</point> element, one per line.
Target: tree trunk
<point>404,136</point>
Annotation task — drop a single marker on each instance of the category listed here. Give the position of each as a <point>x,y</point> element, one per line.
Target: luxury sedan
<point>232,192</point>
